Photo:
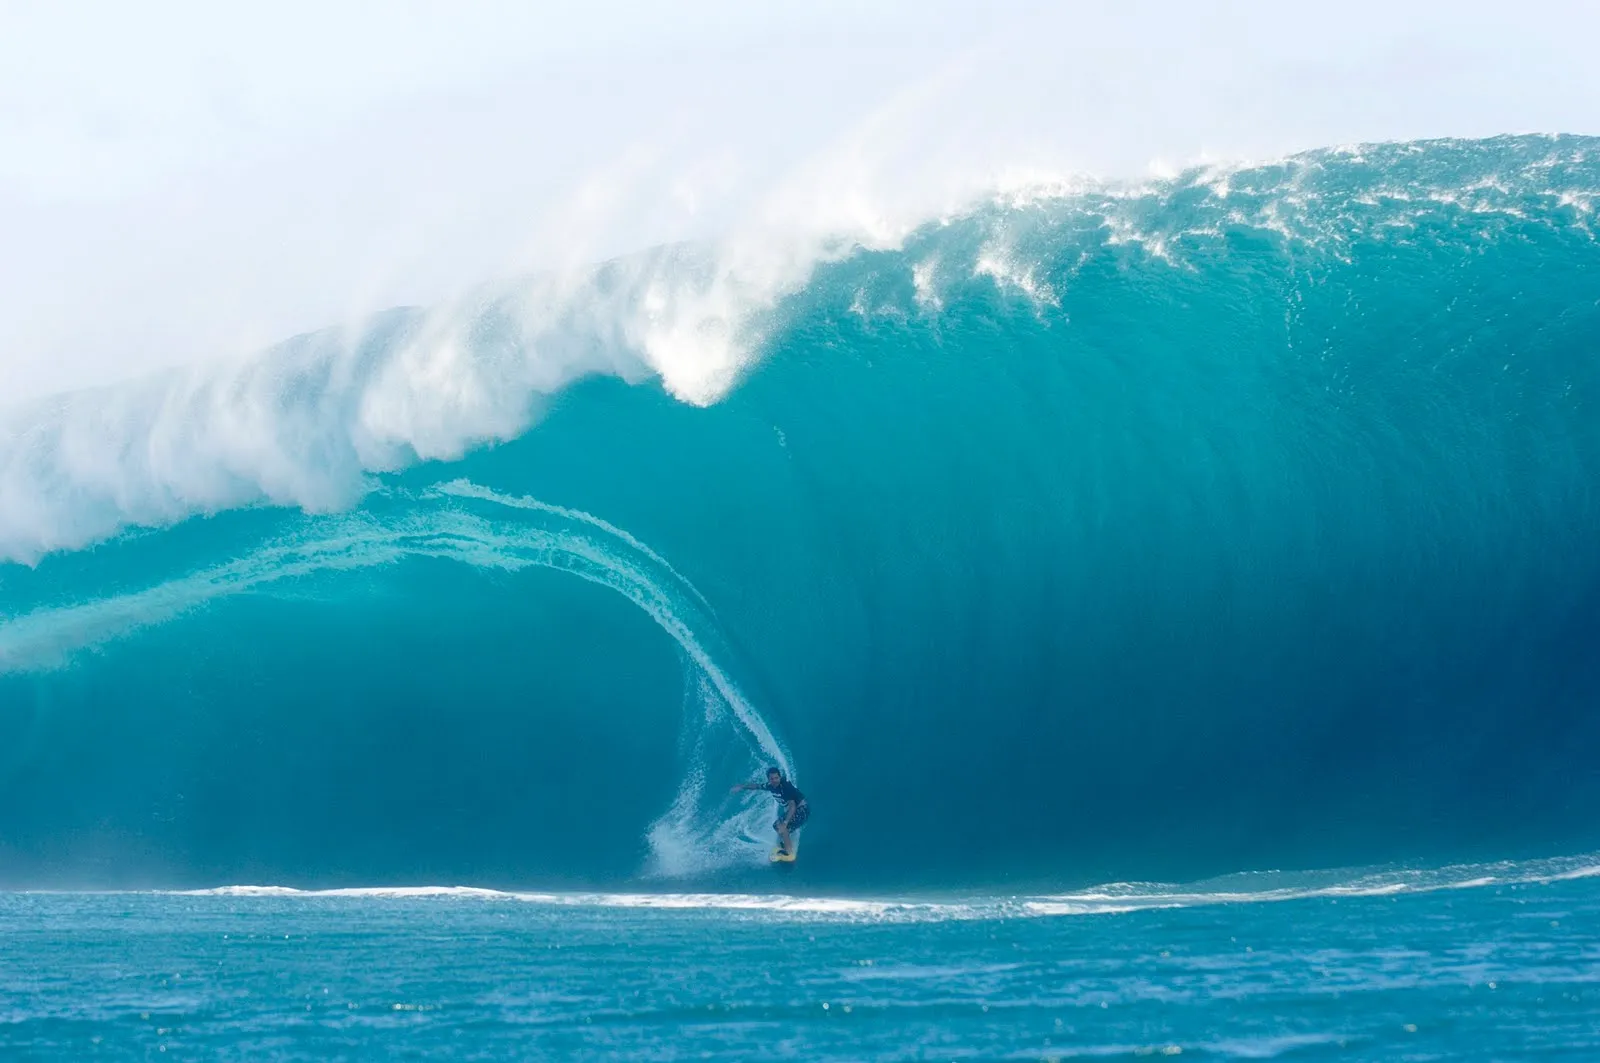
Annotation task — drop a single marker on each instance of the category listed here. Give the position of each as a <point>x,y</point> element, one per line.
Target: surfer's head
<point>774,775</point>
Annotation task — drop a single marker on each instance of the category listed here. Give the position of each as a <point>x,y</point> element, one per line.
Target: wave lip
<point>307,423</point>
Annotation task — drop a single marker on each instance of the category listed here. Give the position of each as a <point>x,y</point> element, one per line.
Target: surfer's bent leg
<point>790,821</point>
<point>783,833</point>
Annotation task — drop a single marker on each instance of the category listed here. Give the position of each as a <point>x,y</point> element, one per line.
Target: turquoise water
<point>1495,971</point>
<point>1241,520</point>
<point>1092,533</point>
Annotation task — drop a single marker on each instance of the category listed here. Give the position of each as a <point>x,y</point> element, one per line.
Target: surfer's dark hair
<point>775,770</point>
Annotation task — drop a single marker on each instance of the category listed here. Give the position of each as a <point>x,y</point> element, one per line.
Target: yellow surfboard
<point>781,857</point>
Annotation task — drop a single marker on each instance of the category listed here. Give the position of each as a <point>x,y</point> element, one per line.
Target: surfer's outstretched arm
<point>747,786</point>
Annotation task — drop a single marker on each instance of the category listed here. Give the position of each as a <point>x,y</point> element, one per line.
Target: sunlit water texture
<point>1477,970</point>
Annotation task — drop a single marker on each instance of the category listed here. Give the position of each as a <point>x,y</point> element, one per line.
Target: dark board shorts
<point>801,812</point>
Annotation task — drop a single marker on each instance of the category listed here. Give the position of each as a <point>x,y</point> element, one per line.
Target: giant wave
<point>1241,519</point>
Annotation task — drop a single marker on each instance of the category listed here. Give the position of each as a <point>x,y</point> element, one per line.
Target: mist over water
<point>1097,531</point>
<point>184,185</point>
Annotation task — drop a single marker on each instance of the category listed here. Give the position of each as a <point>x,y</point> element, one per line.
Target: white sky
<point>181,181</point>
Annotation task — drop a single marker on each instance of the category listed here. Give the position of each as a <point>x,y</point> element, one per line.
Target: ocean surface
<point>1237,520</point>
<point>1504,964</point>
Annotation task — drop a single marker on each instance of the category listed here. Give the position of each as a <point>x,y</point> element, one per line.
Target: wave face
<point>1244,519</point>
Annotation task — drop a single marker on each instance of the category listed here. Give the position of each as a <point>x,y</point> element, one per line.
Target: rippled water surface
<point>1483,968</point>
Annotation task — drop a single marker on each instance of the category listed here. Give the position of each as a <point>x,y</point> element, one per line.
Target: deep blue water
<point>1507,969</point>
<point>1242,520</point>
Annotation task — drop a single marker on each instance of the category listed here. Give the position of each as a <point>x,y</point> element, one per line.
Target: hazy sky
<point>181,181</point>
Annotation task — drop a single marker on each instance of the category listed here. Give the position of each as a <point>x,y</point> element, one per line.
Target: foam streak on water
<point>1110,898</point>
<point>698,833</point>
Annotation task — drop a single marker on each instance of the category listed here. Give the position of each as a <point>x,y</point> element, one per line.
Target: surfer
<point>790,800</point>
